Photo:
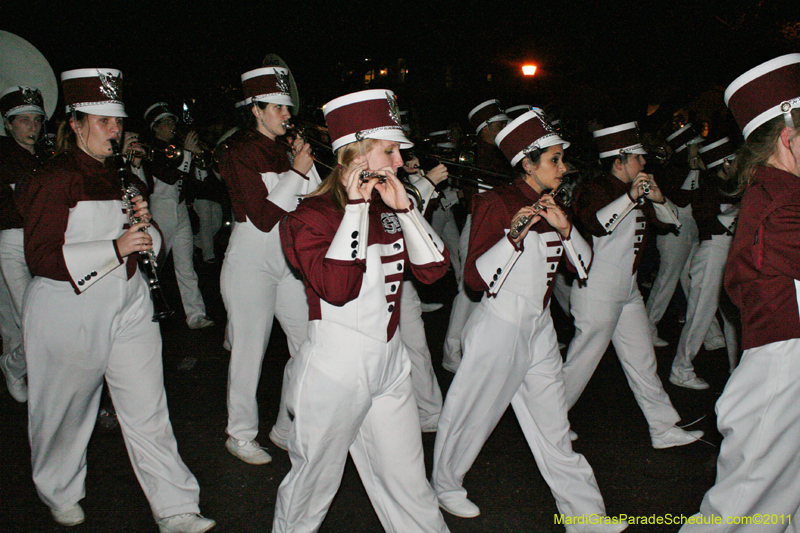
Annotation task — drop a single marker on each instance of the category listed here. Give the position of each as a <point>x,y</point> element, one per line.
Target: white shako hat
<point>267,84</point>
<point>484,114</point>
<point>618,140</point>
<point>21,99</point>
<point>442,139</point>
<point>527,133</point>
<point>95,91</point>
<point>370,114</point>
<point>157,112</point>
<point>767,91</point>
<point>684,137</point>
<point>718,152</point>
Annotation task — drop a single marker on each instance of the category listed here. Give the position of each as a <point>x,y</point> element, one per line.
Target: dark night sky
<point>620,54</point>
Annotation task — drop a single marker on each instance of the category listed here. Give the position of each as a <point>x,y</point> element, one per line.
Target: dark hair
<point>246,117</point>
<point>65,137</point>
<point>533,156</point>
<point>759,147</point>
<point>333,183</point>
<point>607,163</point>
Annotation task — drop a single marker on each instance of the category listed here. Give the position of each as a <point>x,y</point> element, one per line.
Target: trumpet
<point>146,151</point>
<point>301,131</point>
<point>517,229</point>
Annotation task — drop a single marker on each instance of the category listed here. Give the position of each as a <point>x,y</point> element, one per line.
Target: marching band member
<point>167,177</point>
<point>510,348</point>
<point>715,215</point>
<point>88,315</point>
<point>612,209</point>
<point>488,119</point>
<point>758,469</point>
<point>23,114</point>
<point>256,282</point>
<point>350,387</point>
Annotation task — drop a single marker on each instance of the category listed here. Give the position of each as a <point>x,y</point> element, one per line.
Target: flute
<point>516,229</point>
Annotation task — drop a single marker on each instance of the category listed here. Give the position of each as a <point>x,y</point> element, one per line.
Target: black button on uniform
<point>354,234</point>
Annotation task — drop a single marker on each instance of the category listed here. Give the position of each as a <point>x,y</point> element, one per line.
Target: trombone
<point>146,151</point>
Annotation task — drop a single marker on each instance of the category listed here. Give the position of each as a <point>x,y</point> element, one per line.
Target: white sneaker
<point>602,527</point>
<point>717,343</point>
<point>463,508</point>
<point>185,523</point>
<point>17,387</point>
<point>675,436</point>
<point>450,367</point>
<point>248,451</point>
<point>68,516</point>
<point>427,308</point>
<point>199,322</point>
<point>658,342</point>
<point>278,440</point>
<point>573,436</point>
<point>694,383</point>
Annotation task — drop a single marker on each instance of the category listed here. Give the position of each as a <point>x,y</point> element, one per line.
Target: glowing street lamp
<point>528,70</point>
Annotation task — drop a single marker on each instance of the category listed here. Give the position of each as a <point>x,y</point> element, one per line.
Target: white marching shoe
<point>463,508</point>
<point>185,523</point>
<point>248,451</point>
<point>675,436</point>
<point>68,516</point>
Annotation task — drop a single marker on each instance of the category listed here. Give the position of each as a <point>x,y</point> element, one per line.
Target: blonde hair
<point>761,144</point>
<point>333,183</point>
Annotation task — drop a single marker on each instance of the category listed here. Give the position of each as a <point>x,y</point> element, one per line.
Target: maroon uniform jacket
<point>596,193</point>
<point>307,235</point>
<point>706,208</point>
<point>491,217</point>
<point>762,275</point>
<point>52,193</point>
<point>16,165</point>
<point>249,156</point>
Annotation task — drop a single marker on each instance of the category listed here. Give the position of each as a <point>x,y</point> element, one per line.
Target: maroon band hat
<point>618,140</point>
<point>95,91</point>
<point>718,152</point>
<point>157,112</point>
<point>486,113</point>
<point>683,137</point>
<point>767,91</point>
<point>527,133</point>
<point>370,114</point>
<point>268,84</point>
<point>517,110</point>
<point>19,99</point>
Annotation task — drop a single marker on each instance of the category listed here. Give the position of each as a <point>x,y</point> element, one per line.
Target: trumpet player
<point>256,282</point>
<point>166,175</point>
<point>23,113</point>
<point>88,316</point>
<point>615,209</point>
<point>519,236</point>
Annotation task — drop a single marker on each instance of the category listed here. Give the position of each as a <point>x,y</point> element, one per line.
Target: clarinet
<point>147,259</point>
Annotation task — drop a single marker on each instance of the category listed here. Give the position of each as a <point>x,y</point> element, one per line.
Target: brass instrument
<point>302,131</point>
<point>147,258</point>
<point>146,151</point>
<point>519,227</point>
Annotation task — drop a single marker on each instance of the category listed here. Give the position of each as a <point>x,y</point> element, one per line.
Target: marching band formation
<point>334,255</point>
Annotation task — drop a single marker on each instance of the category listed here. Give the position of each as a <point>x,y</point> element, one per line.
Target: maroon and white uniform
<point>350,387</point>
<point>88,315</point>
<point>715,215</point>
<point>16,165</point>
<point>511,355</point>
<point>608,307</point>
<point>256,282</point>
<point>758,469</point>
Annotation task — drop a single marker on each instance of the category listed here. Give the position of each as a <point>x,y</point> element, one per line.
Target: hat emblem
<point>31,96</point>
<point>282,81</point>
<point>786,107</point>
<point>394,112</point>
<point>543,119</point>
<point>109,85</point>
